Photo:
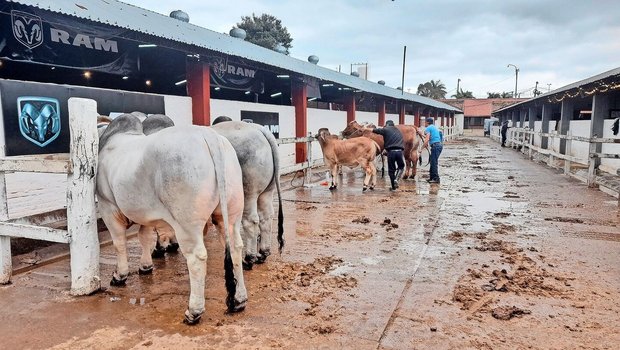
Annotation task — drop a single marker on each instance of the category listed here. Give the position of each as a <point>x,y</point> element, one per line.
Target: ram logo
<point>39,119</point>
<point>27,28</point>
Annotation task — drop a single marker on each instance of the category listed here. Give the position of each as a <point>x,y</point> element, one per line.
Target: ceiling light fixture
<point>146,45</point>
<point>180,82</point>
<point>276,94</point>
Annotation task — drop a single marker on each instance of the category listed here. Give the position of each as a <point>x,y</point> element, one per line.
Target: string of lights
<point>600,88</point>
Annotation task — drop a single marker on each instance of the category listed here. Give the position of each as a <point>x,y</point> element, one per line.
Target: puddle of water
<point>479,203</point>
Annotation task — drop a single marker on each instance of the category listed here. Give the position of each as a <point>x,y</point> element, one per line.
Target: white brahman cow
<point>173,180</point>
<point>257,151</point>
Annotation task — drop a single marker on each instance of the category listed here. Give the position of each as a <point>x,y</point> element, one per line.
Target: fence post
<point>81,213</point>
<point>531,143</point>
<point>6,266</point>
<point>550,144</point>
<point>309,168</point>
<point>592,163</point>
<point>568,151</point>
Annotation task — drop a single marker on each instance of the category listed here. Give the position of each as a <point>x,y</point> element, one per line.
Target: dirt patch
<point>309,207</point>
<point>361,220</point>
<point>479,289</point>
<point>507,312</point>
<point>311,283</point>
<point>456,236</point>
<point>388,224</point>
<point>502,228</point>
<point>563,219</point>
<point>502,215</point>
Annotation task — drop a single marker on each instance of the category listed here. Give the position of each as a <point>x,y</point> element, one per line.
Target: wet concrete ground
<point>504,254</point>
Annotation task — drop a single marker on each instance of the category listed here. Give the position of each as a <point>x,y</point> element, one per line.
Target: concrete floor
<point>504,254</point>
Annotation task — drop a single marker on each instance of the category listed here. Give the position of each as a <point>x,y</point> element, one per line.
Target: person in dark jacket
<point>504,131</point>
<point>394,145</point>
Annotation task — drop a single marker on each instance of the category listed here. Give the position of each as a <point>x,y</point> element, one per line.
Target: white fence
<point>80,165</point>
<point>579,149</point>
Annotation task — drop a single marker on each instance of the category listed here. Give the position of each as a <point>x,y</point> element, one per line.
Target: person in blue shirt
<point>434,138</point>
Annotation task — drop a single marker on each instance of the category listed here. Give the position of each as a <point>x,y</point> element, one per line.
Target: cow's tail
<point>216,149</point>
<point>276,178</point>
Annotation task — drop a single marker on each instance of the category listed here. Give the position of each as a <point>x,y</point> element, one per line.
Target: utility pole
<point>458,83</point>
<point>516,78</point>
<point>548,87</point>
<point>402,82</point>
<point>536,92</point>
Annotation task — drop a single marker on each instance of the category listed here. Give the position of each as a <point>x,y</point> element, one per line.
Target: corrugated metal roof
<point>144,21</point>
<point>580,83</point>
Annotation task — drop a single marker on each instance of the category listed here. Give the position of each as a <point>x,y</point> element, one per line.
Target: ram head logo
<point>39,119</point>
<point>219,66</point>
<point>27,28</point>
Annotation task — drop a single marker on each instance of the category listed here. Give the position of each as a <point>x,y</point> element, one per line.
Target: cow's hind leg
<point>192,246</point>
<point>250,232</point>
<point>148,239</point>
<point>265,218</point>
<point>116,223</point>
<point>334,173</point>
<point>368,169</point>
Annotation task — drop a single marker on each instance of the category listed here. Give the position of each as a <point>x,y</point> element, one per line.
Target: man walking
<point>394,145</point>
<point>435,139</point>
<point>504,131</point>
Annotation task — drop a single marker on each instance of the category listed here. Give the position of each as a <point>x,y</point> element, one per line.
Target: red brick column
<point>300,101</point>
<point>199,89</point>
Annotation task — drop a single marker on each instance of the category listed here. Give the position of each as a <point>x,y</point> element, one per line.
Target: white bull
<point>257,151</point>
<point>174,181</point>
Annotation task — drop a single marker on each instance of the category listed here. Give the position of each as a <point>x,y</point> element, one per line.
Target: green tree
<point>463,94</point>
<point>432,89</point>
<point>494,95</point>
<point>266,31</point>
<point>506,94</point>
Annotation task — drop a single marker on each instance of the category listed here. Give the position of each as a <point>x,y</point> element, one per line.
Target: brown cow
<point>410,137</point>
<point>351,153</point>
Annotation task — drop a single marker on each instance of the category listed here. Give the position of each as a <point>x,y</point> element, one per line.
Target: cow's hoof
<point>158,253</point>
<point>118,282</point>
<point>332,188</point>
<point>191,318</point>
<point>247,266</point>
<point>364,189</point>
<point>239,306</point>
<point>265,252</point>
<point>145,270</point>
<point>261,258</point>
<point>172,248</point>
<point>372,188</point>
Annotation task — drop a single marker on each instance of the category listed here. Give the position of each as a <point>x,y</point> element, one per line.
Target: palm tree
<point>494,95</point>
<point>432,89</point>
<point>506,94</point>
<point>463,94</point>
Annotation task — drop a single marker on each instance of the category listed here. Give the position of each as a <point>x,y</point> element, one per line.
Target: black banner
<point>235,73</point>
<point>269,120</point>
<point>29,34</point>
<point>36,115</point>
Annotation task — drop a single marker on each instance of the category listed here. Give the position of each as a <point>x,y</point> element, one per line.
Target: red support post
<point>401,114</point>
<point>199,89</point>
<point>349,103</point>
<point>381,113</point>
<point>416,118</point>
<point>300,101</point>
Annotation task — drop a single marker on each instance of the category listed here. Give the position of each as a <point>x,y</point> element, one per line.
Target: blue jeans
<point>436,149</point>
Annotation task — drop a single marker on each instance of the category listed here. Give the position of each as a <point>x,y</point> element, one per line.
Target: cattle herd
<point>171,180</point>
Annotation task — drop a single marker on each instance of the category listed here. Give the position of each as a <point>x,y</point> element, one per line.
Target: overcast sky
<point>551,41</point>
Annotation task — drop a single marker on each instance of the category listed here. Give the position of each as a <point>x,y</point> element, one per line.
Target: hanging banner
<point>36,116</point>
<point>235,73</point>
<point>32,35</point>
<point>269,120</point>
